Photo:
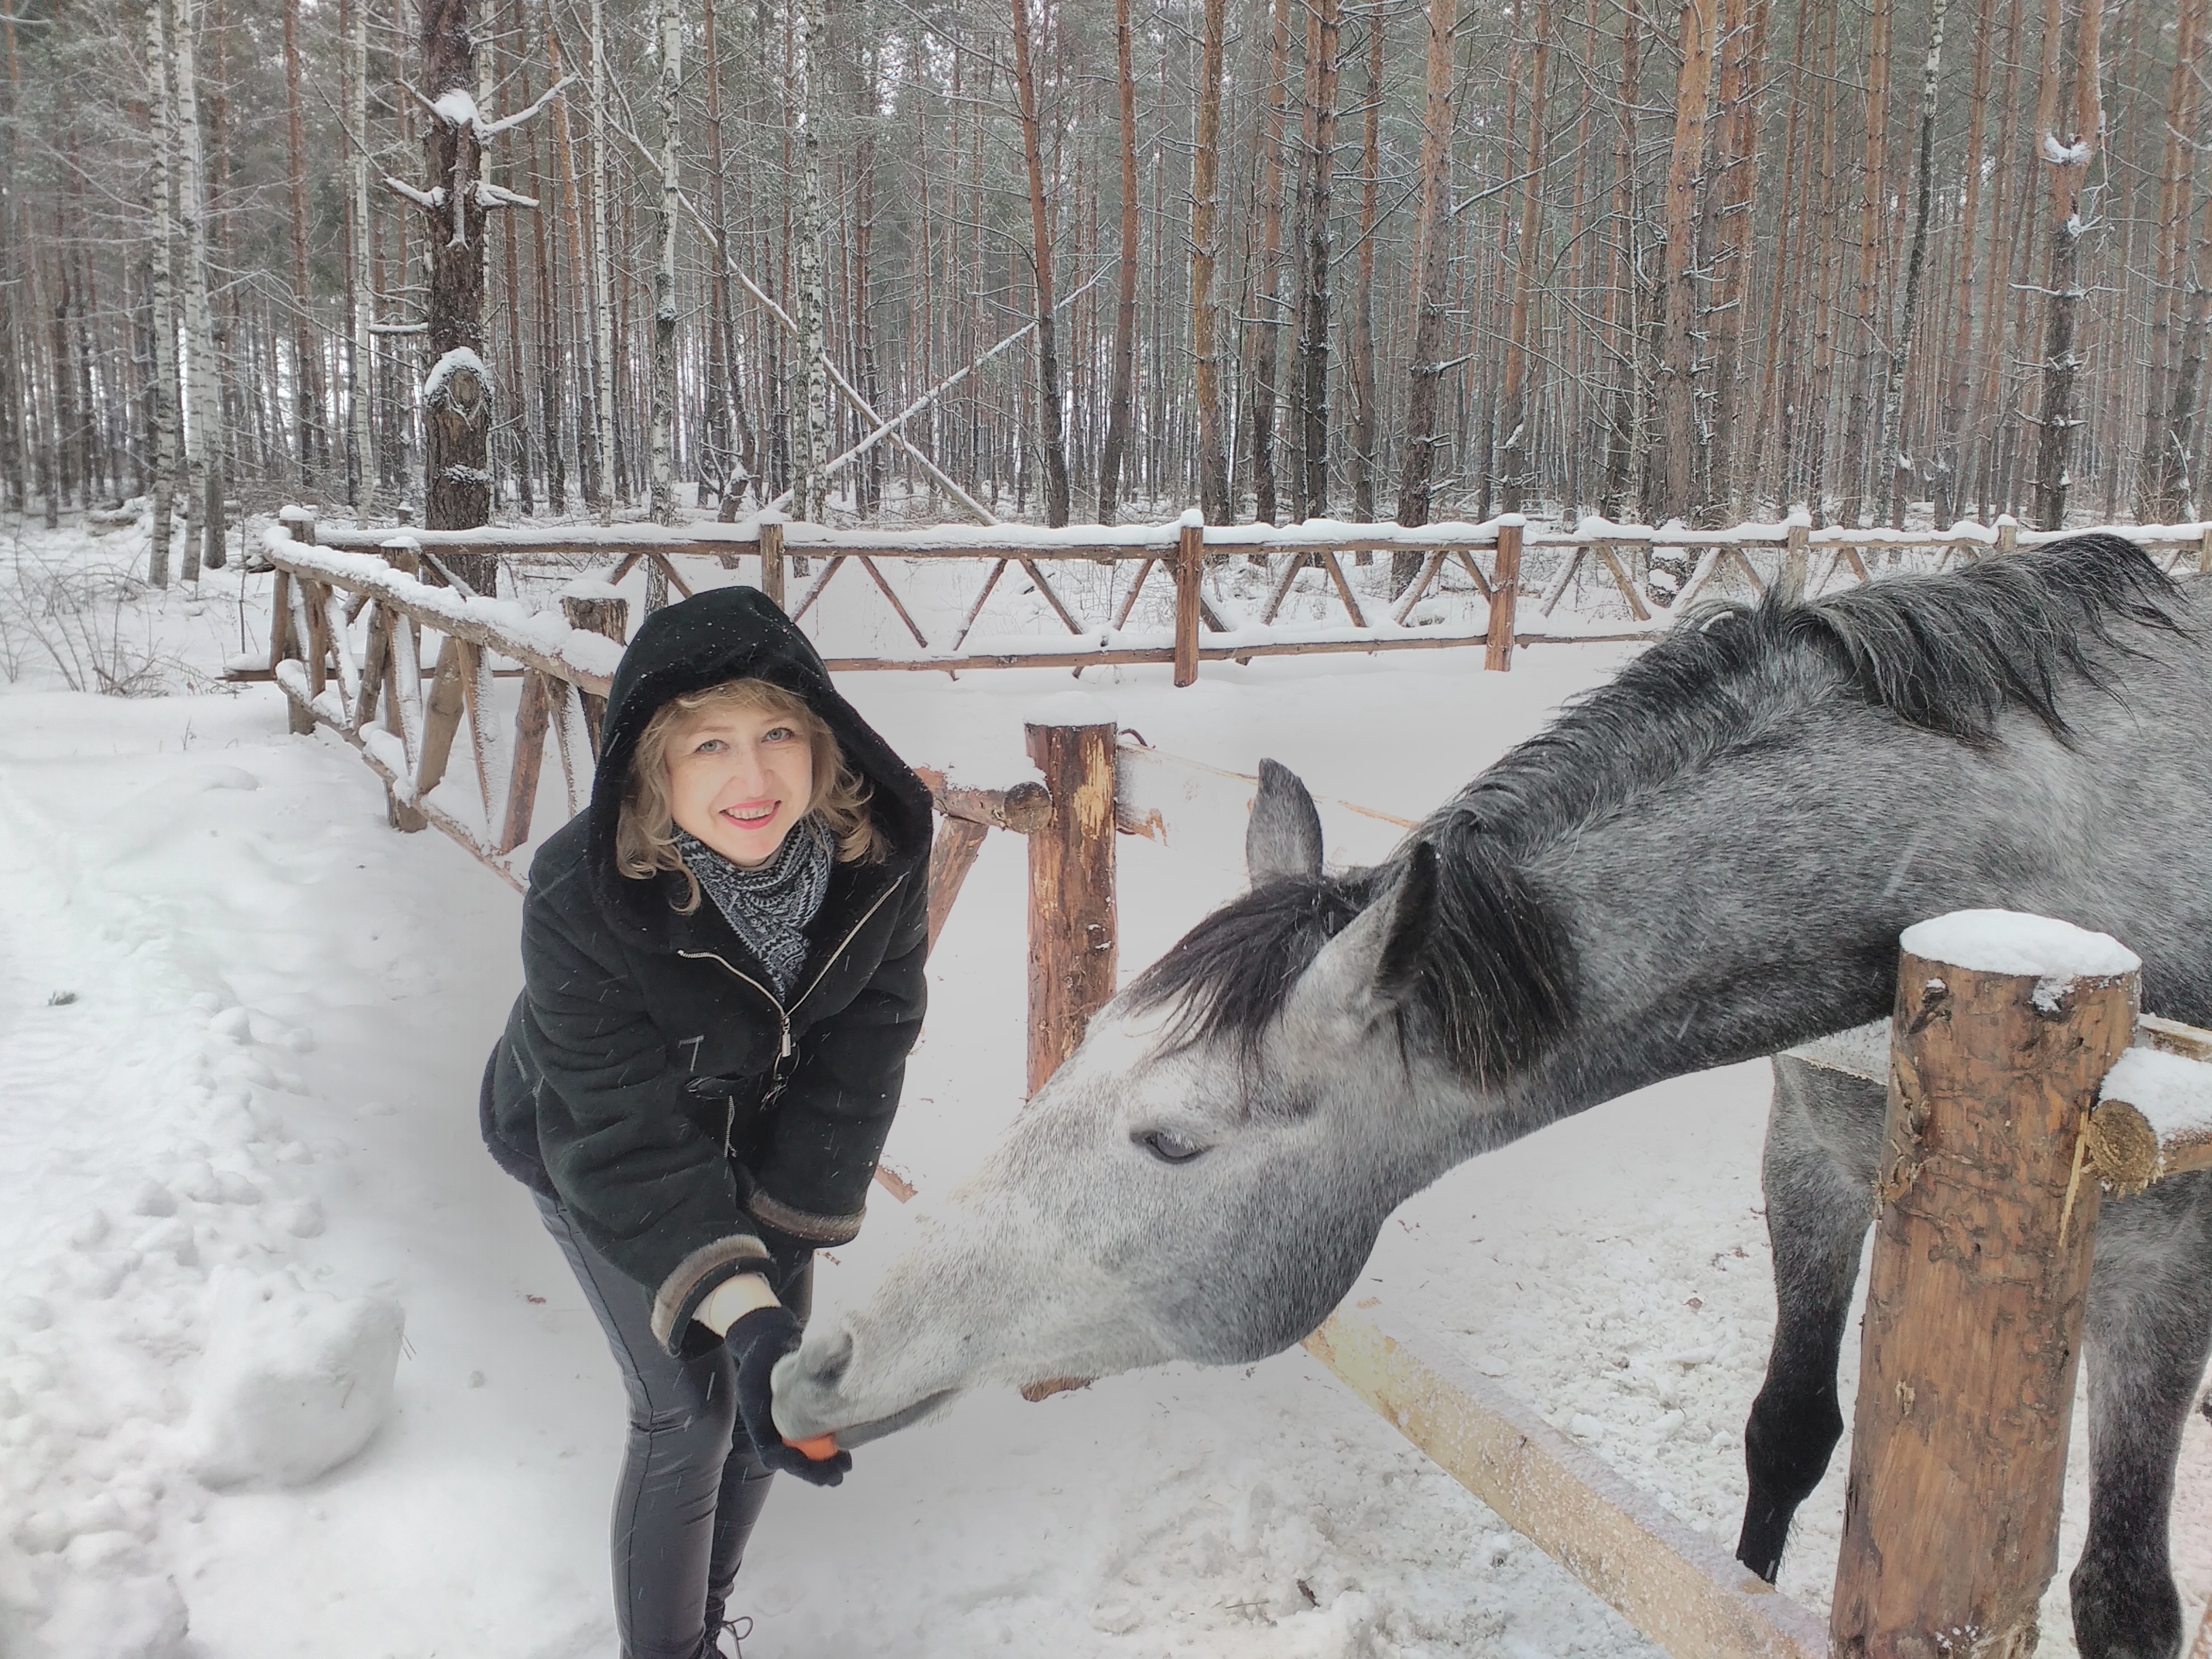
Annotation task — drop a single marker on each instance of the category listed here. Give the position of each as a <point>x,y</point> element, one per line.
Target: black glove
<point>757,1342</point>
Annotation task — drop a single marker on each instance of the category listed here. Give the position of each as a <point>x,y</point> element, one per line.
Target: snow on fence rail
<point>2060,1107</point>
<point>1189,555</point>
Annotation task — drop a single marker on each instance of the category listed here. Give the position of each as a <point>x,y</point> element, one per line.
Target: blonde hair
<point>645,835</point>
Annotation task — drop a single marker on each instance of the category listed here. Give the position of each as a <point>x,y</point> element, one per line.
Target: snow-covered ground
<point>241,1025</point>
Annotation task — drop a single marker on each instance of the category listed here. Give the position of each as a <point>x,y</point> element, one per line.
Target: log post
<point>2204,563</point>
<point>608,615</point>
<point>771,554</point>
<point>1796,555</point>
<point>1071,928</point>
<point>2005,1027</point>
<point>1189,567</point>
<point>1504,589</point>
<point>2008,533</point>
<point>404,555</point>
<point>951,855</point>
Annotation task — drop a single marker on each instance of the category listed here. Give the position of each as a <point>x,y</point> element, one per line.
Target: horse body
<point>1707,860</point>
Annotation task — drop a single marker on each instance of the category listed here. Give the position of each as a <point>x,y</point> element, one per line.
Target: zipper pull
<point>785,1052</point>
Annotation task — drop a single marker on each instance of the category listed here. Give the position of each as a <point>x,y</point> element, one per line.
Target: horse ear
<point>1412,907</point>
<point>1375,962</point>
<point>1284,837</point>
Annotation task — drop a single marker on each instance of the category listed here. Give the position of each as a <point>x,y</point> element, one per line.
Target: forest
<point>913,260</point>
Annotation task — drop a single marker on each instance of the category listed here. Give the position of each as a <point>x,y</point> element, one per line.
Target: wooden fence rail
<point>1183,553</point>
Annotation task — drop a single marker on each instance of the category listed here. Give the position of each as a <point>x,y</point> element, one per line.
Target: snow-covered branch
<point>432,199</point>
<point>490,196</point>
<point>493,129</point>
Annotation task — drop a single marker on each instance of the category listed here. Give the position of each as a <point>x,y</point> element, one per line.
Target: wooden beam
<point>951,855</point>
<point>1682,1589</point>
<point>1190,571</point>
<point>1073,933</point>
<point>532,718</point>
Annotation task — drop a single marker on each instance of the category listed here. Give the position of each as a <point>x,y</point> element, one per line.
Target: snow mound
<point>294,1382</point>
<point>140,1617</point>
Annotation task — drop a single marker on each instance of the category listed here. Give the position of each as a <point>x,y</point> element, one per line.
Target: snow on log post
<point>1504,588</point>
<point>1072,929</point>
<point>2005,1027</point>
<point>606,614</point>
<point>1189,568</point>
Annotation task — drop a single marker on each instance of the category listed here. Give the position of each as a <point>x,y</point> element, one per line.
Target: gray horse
<point>1708,859</point>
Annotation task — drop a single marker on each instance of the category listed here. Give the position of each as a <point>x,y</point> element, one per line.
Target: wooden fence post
<point>610,615</point>
<point>402,555</point>
<point>771,553</point>
<point>2004,1029</point>
<point>2204,563</point>
<point>1189,567</point>
<point>1072,934</point>
<point>2008,533</point>
<point>1796,556</point>
<point>1504,588</point>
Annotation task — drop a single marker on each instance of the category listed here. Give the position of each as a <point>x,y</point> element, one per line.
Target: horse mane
<point>1945,654</point>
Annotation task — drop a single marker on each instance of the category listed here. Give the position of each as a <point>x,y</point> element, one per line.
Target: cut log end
<point>2123,1147</point>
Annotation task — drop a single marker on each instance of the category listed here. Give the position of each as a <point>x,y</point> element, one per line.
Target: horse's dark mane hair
<point>1946,653</point>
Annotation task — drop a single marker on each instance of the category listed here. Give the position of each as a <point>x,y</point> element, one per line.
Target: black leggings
<point>691,1485</point>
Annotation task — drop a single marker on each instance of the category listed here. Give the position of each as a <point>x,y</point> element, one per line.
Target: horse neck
<point>1755,903</point>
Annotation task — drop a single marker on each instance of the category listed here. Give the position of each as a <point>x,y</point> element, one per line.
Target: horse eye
<point>1170,1147</point>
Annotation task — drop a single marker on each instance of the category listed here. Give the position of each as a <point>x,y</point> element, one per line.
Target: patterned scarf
<point>770,907</point>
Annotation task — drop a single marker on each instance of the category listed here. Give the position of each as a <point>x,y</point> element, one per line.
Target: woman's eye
<point>778,734</point>
<point>1170,1147</point>
<point>711,746</point>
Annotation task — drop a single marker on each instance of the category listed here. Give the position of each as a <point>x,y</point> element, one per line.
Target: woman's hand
<point>756,1340</point>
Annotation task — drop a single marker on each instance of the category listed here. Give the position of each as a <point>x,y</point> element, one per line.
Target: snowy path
<point>268,1072</point>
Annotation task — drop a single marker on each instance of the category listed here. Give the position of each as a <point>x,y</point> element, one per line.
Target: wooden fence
<point>1497,558</point>
<point>2089,1131</point>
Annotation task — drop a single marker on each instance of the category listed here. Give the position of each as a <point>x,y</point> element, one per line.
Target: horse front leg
<point>2149,1328</point>
<point>1822,1138</point>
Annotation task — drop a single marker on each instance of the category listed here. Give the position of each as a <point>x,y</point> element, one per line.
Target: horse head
<point>1203,1179</point>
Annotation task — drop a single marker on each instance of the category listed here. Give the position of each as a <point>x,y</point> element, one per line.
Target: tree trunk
<point>1676,472</point>
<point>1874,224</point>
<point>1361,384</point>
<point>1047,350</point>
<point>603,315</point>
<point>162,388</point>
<point>1205,315</point>
<point>722,404</point>
<point>1620,319</point>
<point>1517,463</point>
<point>205,548</point>
<point>457,392</point>
<point>306,356</point>
<point>2176,485</point>
<point>2068,161</point>
<point>671,27</point>
<point>809,489</point>
<point>1259,403</point>
<point>1432,236</point>
<point>1730,196</point>
<point>1898,452</point>
<point>1958,384</point>
<point>1125,312</point>
<point>360,358</point>
<point>1323,37</point>
<point>2155,504</point>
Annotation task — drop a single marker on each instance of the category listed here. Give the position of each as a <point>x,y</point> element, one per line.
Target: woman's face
<point>739,779</point>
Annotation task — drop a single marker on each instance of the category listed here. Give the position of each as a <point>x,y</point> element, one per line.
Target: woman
<point>722,976</point>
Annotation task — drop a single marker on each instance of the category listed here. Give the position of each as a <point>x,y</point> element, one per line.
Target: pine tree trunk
<point>2176,483</point>
<point>1205,314</point>
<point>2068,161</point>
<point>1324,37</point>
<point>1432,237</point>
<point>663,415</point>
<point>1873,224</point>
<point>1621,320</point>
<point>205,548</point>
<point>363,474</point>
<point>2154,502</point>
<point>1897,454</point>
<point>1364,428</point>
<point>722,403</point>
<point>1675,470</point>
<point>809,491</point>
<point>1957,381</point>
<point>1047,350</point>
<point>457,393</point>
<point>1125,312</point>
<point>1743,57</point>
<point>1259,403</point>
<point>1517,463</point>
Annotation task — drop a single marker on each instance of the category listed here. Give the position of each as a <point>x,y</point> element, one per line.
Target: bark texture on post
<point>1504,588</point>
<point>1190,571</point>
<point>1979,1284</point>
<point>1072,929</point>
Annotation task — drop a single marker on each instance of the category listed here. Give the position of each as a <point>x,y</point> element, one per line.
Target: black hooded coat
<point>649,1078</point>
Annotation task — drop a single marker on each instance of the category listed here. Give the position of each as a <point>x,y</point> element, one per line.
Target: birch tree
<point>161,387</point>
<point>663,462</point>
<point>204,447</point>
<point>1205,318</point>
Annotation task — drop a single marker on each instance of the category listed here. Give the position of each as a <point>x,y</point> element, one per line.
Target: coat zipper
<point>783,1014</point>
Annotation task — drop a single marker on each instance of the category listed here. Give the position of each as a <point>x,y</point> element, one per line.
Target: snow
<point>2064,156</point>
<point>242,1022</point>
<point>2173,1092</point>
<point>2010,942</point>
<point>1861,1052</point>
<point>456,108</point>
<point>460,361</point>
